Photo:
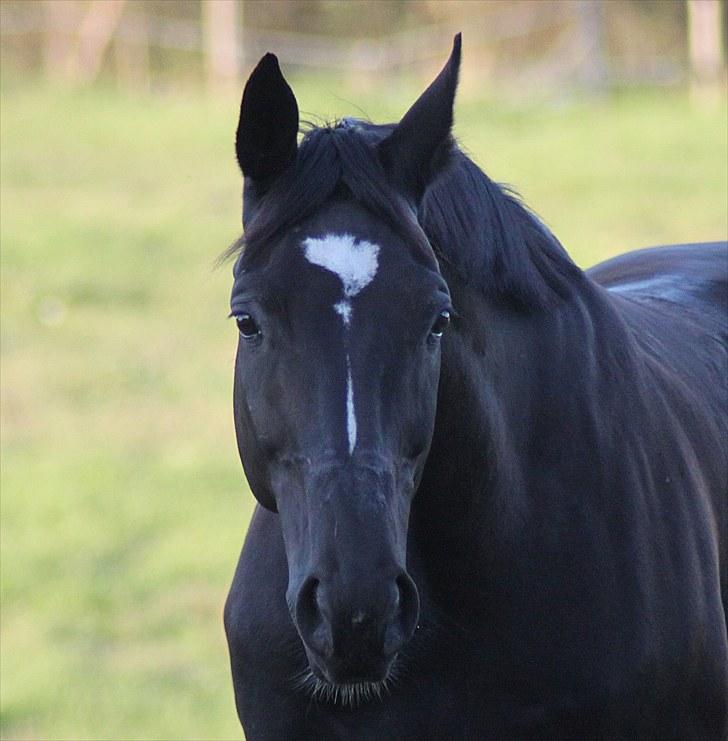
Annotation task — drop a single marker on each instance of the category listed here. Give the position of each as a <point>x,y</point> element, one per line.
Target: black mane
<point>491,240</point>
<point>476,227</point>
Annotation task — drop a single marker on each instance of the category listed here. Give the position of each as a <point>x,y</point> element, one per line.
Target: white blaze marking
<point>350,416</point>
<point>355,264</point>
<point>343,309</point>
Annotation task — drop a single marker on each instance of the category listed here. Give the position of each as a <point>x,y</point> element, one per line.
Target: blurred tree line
<point>526,44</point>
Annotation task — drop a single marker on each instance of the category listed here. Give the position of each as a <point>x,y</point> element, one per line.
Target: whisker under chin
<point>350,695</point>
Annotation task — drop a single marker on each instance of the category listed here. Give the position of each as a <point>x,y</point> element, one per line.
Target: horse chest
<point>457,682</point>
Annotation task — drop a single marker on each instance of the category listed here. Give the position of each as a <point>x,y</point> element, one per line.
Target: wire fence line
<point>564,46</point>
<point>396,49</point>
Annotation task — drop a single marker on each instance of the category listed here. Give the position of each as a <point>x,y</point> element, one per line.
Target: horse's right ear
<point>420,144</point>
<point>265,142</point>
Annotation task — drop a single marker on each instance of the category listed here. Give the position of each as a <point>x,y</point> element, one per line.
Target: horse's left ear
<point>265,142</point>
<point>419,146</point>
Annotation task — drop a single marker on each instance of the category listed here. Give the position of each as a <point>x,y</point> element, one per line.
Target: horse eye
<point>441,324</point>
<point>247,326</point>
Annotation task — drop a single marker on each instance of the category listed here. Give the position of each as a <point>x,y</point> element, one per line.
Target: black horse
<point>514,527</point>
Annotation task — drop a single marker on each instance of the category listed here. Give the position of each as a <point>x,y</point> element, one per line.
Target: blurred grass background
<point>123,503</point>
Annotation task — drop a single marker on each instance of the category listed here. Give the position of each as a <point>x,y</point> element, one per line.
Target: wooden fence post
<point>62,18</point>
<point>705,44</point>
<point>131,53</point>
<point>222,22</point>
<point>590,24</point>
<point>94,35</point>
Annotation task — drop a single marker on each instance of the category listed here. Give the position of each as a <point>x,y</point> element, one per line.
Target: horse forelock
<point>480,229</point>
<point>333,162</point>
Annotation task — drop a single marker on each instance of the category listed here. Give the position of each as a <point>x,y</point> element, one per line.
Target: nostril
<point>409,599</point>
<point>307,608</point>
<point>311,623</point>
<point>406,613</point>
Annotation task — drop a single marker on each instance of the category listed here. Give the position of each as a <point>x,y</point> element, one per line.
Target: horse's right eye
<point>441,324</point>
<point>247,326</point>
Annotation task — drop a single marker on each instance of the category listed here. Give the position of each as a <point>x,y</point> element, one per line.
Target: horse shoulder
<point>262,640</point>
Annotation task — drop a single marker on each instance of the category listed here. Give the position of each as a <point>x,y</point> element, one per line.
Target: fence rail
<point>77,36</point>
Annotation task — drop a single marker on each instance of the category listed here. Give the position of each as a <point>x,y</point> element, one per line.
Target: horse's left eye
<point>441,324</point>
<point>247,326</point>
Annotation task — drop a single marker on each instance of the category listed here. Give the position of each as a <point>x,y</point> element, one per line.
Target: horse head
<point>341,307</point>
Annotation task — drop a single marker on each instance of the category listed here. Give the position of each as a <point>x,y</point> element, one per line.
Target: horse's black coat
<point>567,543</point>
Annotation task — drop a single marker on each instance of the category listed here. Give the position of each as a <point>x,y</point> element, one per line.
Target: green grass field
<point>123,502</point>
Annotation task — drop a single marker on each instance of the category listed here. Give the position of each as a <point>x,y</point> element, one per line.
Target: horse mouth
<point>346,694</point>
<point>315,681</point>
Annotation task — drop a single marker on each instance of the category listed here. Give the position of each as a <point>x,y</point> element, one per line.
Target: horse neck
<point>520,419</point>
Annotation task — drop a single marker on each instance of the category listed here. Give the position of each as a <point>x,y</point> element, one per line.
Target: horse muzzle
<point>354,635</point>
<point>349,594</point>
